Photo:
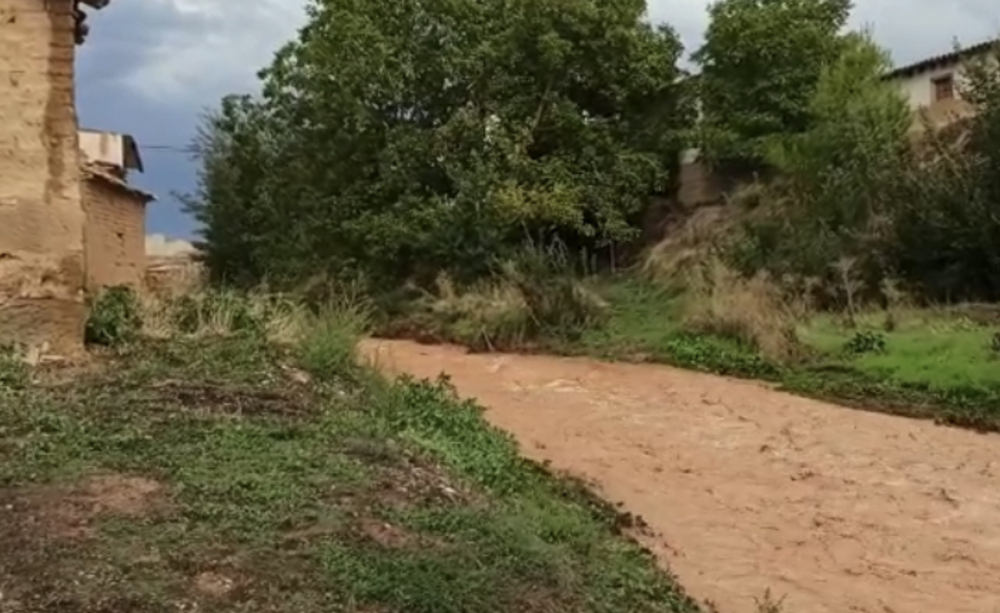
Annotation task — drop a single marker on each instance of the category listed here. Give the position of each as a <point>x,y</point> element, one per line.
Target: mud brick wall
<point>41,217</point>
<point>114,235</point>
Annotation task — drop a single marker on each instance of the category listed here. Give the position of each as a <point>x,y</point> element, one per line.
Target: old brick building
<point>41,217</point>
<point>115,212</point>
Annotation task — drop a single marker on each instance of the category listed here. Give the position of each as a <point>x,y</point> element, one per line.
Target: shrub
<point>115,318</point>
<point>866,342</point>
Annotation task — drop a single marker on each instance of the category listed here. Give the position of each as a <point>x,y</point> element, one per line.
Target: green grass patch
<point>929,348</point>
<point>645,324</point>
<point>935,363</point>
<point>205,474</point>
<point>938,364</point>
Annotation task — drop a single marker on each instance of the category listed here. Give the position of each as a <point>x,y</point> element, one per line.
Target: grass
<point>525,303</point>
<point>924,347</point>
<point>228,472</point>
<point>646,322</point>
<point>937,364</point>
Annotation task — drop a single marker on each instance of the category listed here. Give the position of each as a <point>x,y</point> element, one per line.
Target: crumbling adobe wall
<point>114,236</point>
<point>41,217</point>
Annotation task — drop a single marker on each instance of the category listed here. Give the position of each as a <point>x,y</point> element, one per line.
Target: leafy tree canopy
<point>400,138</point>
<point>760,64</point>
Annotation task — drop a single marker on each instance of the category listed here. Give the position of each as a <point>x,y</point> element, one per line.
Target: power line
<point>168,148</point>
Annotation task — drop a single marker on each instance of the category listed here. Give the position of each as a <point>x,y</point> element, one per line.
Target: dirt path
<point>748,488</point>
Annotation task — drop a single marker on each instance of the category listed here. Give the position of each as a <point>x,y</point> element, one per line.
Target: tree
<point>397,139</point>
<point>760,64</point>
<point>947,225</point>
<point>857,133</point>
<point>838,177</point>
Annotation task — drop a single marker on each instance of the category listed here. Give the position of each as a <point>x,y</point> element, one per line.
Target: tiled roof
<point>941,60</point>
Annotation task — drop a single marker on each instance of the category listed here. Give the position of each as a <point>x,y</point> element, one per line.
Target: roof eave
<point>944,59</point>
<point>94,171</point>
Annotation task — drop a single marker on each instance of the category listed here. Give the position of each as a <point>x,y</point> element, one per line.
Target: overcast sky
<point>150,67</point>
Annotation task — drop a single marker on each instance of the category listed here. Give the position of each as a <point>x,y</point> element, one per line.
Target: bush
<point>865,342</point>
<point>115,318</point>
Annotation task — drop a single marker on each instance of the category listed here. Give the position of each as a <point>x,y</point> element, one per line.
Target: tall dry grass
<point>755,310</point>
<point>689,242</point>
<point>534,298</point>
<point>490,315</point>
<point>219,312</point>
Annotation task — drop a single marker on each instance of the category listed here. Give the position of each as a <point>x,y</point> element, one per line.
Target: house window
<point>944,88</point>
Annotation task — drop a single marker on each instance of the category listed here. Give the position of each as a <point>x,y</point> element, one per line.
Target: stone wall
<point>41,217</point>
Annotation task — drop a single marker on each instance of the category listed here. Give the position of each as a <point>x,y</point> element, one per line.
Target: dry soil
<point>748,489</point>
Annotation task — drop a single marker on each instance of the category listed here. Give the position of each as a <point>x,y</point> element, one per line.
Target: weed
<point>532,300</point>
<point>867,341</point>
<point>693,240</point>
<point>14,372</point>
<point>767,603</point>
<point>221,312</point>
<point>115,317</point>
<point>216,312</point>
<point>328,350</point>
<point>486,316</point>
<point>849,285</point>
<point>645,323</point>
<point>558,304</point>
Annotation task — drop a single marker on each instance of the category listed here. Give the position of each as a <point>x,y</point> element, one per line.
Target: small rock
<point>214,584</point>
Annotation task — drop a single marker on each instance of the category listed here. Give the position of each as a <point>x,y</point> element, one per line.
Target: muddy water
<point>749,489</point>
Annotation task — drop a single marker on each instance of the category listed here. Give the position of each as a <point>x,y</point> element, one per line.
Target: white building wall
<point>919,88</point>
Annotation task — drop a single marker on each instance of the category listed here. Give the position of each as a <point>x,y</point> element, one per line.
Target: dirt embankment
<point>751,489</point>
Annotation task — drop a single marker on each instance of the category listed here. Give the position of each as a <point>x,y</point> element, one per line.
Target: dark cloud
<point>151,67</point>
